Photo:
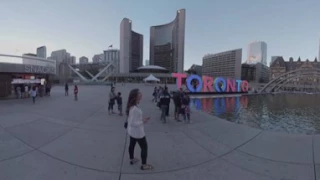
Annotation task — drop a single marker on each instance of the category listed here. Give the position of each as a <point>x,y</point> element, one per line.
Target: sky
<point>291,28</point>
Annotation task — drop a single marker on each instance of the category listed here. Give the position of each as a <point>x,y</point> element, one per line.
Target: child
<point>33,94</point>
<point>119,102</point>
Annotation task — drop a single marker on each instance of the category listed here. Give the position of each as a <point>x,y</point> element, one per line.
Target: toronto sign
<point>210,84</point>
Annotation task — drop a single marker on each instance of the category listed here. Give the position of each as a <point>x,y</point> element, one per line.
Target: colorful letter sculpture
<point>208,84</point>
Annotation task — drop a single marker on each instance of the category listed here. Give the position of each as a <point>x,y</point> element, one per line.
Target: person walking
<point>164,104</point>
<point>112,98</point>
<point>135,129</point>
<point>185,108</point>
<point>75,91</point>
<point>66,88</point>
<point>154,94</point>
<point>177,104</point>
<point>33,94</point>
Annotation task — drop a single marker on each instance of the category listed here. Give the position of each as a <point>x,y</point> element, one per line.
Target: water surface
<point>292,113</point>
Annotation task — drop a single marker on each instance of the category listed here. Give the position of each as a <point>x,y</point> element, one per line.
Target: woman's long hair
<point>132,99</point>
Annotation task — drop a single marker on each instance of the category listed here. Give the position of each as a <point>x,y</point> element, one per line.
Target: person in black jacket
<point>185,108</point>
<point>177,104</point>
<point>164,104</point>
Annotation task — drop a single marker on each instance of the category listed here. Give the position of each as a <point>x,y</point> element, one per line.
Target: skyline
<point>211,27</point>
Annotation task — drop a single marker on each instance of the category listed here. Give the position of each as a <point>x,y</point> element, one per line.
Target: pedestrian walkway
<point>59,138</point>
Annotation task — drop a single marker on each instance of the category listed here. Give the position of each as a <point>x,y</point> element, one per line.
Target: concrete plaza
<point>59,138</point>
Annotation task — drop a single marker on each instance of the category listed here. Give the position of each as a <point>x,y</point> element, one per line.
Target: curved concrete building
<point>131,47</point>
<point>167,43</point>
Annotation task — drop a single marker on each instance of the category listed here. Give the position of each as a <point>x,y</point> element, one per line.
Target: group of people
<point>75,91</point>
<point>26,91</point>
<point>23,90</point>
<point>113,97</point>
<point>181,103</point>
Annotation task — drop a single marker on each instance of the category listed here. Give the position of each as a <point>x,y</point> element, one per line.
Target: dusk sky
<point>84,28</point>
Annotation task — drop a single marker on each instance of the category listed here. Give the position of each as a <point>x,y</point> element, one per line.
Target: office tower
<point>73,60</point>
<point>319,52</point>
<point>146,62</point>
<point>83,60</point>
<point>60,55</point>
<point>42,52</point>
<point>167,43</point>
<point>225,64</point>
<point>97,58</point>
<point>112,55</point>
<point>63,58</point>
<point>131,47</point>
<point>257,53</point>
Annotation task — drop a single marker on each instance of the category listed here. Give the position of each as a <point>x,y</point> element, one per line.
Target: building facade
<point>26,60</point>
<point>257,53</point>
<point>59,55</point>
<point>73,60</point>
<point>97,58</point>
<point>280,66</point>
<point>195,69</point>
<point>131,47</point>
<point>13,75</point>
<point>273,58</point>
<point>42,52</point>
<point>167,43</point>
<point>112,55</point>
<point>63,59</point>
<point>83,60</point>
<point>225,64</point>
<point>146,62</point>
<point>33,59</point>
<point>257,73</point>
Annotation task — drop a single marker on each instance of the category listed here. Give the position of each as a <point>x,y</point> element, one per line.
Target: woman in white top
<point>136,129</point>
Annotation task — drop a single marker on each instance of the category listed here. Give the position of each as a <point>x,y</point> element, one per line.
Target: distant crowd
<point>181,101</point>
<point>32,90</point>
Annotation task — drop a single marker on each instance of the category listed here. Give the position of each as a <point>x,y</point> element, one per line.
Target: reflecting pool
<point>292,113</point>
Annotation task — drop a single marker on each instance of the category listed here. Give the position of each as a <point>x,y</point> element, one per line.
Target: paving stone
<point>97,150</point>
<point>217,170</point>
<point>281,147</point>
<point>10,146</point>
<point>38,133</point>
<point>278,170</point>
<point>36,165</point>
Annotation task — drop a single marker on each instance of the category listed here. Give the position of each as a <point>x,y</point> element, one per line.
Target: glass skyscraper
<point>257,53</point>
<point>167,43</point>
<point>131,47</point>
